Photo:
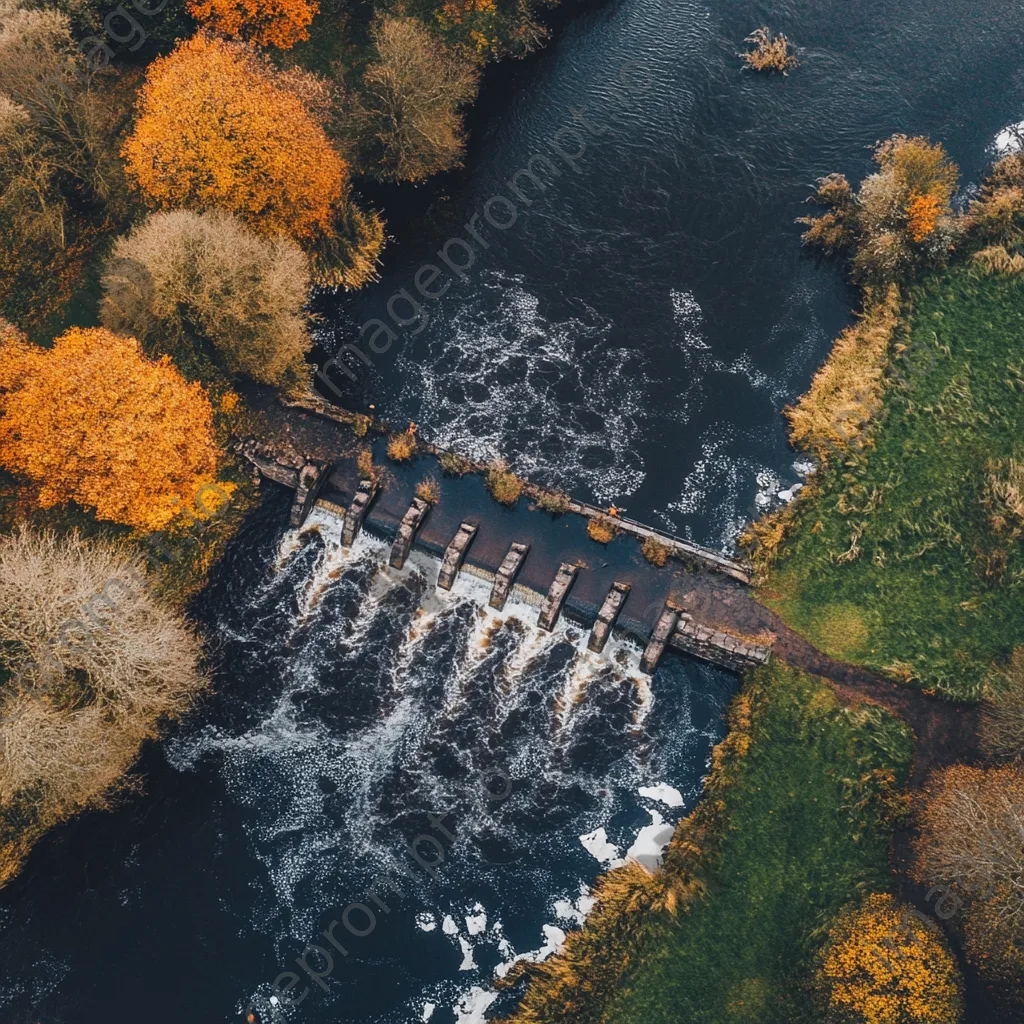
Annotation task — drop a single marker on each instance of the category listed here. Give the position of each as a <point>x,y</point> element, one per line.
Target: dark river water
<point>631,337</point>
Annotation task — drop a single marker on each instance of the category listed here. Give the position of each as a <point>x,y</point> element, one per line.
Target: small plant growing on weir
<point>453,464</point>
<point>770,52</point>
<point>602,529</point>
<point>655,551</point>
<point>555,502</point>
<point>429,490</point>
<point>402,447</point>
<point>361,424</point>
<point>503,484</point>
<point>364,463</point>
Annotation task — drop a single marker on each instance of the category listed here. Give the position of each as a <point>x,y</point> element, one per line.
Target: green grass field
<point>800,837</point>
<point>894,561</point>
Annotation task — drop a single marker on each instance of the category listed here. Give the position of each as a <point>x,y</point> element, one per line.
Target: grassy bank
<point>793,826</point>
<point>903,555</point>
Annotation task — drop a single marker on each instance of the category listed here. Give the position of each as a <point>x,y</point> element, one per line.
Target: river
<point>630,338</point>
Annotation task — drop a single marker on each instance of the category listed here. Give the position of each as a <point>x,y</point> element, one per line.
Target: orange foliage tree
<point>214,129</point>
<point>94,421</point>
<point>883,964</point>
<point>280,23</point>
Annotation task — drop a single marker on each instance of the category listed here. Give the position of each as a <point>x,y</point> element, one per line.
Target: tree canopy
<point>184,272</point>
<point>281,23</point>
<point>94,421</point>
<point>216,130</point>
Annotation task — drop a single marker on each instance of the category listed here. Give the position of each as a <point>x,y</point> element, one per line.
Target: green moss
<point>797,834</point>
<point>894,561</point>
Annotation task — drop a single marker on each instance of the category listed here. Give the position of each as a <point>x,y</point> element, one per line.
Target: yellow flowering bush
<point>886,964</point>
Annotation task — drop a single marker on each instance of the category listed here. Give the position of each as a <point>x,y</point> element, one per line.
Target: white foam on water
<point>649,846</point>
<point>472,1005</point>
<point>573,401</point>
<point>476,923</point>
<point>1009,140</point>
<point>428,1011</point>
<point>663,793</point>
<point>426,922</point>
<point>597,845</point>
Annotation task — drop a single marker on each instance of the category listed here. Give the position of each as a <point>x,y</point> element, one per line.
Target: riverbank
<point>900,555</point>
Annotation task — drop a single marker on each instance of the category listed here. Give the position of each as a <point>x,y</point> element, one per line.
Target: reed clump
<point>504,485</point>
<point>403,446</point>
<point>997,259</point>
<point>553,502</point>
<point>771,52</point>
<point>429,490</point>
<point>602,529</point>
<point>655,551</point>
<point>453,464</point>
<point>366,467</point>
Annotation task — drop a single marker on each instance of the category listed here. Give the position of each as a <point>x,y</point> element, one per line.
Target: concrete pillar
<point>557,594</point>
<point>506,574</point>
<point>311,479</point>
<point>356,512</point>
<point>663,629</point>
<point>607,615</point>
<point>411,522</point>
<point>454,554</point>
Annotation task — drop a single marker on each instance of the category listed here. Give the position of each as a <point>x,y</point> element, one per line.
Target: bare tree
<point>1002,717</point>
<point>94,662</point>
<point>406,116</point>
<point>181,273</point>
<point>972,837</point>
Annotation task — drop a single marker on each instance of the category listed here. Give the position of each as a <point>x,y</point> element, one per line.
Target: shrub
<point>453,464</point>
<point>602,529</point>
<point>346,254</point>
<point>429,490</point>
<point>1002,717</point>
<point>655,551</point>
<point>406,115</point>
<point>482,29</point>
<point>206,272</point>
<point>554,502</point>
<point>214,129</point>
<point>96,662</point>
<point>402,447</point>
<point>882,963</point>
<point>280,23</point>
<point>900,219</point>
<point>770,53</point>
<point>92,420</point>
<point>504,485</point>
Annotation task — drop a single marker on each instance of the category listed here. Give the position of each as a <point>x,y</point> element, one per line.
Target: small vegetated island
<point>170,190</point>
<point>777,900</point>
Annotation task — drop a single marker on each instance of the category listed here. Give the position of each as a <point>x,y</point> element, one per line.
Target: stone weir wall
<point>695,602</point>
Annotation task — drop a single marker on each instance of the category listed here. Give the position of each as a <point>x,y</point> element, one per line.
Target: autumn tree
<point>93,420</point>
<point>899,220</point>
<point>406,115</point>
<point>487,29</point>
<point>972,841</point>
<point>886,964</point>
<point>182,273</point>
<point>215,130</point>
<point>93,661</point>
<point>59,172</point>
<point>281,23</point>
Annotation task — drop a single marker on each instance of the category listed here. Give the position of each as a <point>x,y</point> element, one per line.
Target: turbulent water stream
<point>631,338</point>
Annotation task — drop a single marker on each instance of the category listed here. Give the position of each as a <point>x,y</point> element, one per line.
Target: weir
<point>696,602</point>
